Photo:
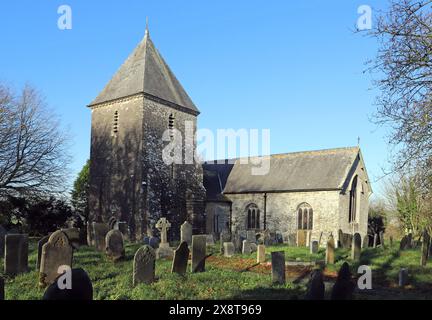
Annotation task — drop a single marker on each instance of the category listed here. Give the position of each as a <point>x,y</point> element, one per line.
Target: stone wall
<point>222,211</point>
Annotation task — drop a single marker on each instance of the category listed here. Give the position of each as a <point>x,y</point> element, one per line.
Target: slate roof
<point>298,171</point>
<point>145,71</point>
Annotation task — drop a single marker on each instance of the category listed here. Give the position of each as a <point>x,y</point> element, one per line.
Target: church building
<point>305,196</point>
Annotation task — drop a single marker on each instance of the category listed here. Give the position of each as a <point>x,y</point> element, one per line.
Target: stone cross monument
<point>163,225</point>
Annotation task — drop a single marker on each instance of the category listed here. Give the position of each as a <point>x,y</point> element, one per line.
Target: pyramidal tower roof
<point>145,71</point>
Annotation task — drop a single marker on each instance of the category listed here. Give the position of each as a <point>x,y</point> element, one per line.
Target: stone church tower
<point>128,178</point>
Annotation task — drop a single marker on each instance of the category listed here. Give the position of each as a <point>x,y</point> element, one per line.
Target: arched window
<point>353,200</point>
<point>115,122</point>
<point>253,217</point>
<point>171,125</point>
<point>305,217</point>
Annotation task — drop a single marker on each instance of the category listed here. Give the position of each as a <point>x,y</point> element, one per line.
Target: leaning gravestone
<point>356,247</point>
<point>278,267</point>
<point>41,242</point>
<point>181,257</point>
<point>16,254</point>
<point>246,248</point>
<point>114,245</point>
<point>2,240</point>
<point>99,232</point>
<point>229,249</point>
<point>316,288</point>
<point>261,256</point>
<point>198,253</point>
<point>330,251</point>
<point>55,253</point>
<point>144,265</point>
<point>314,247</point>
<point>344,287</point>
<point>186,233</point>
<point>81,288</point>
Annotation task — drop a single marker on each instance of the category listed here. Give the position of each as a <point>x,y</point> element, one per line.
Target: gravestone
<point>144,266</point>
<point>251,236</point>
<point>186,233</point>
<point>246,248</point>
<point>403,277</point>
<point>425,249</point>
<point>90,236</point>
<point>345,240</point>
<point>73,235</point>
<point>16,254</point>
<point>267,241</point>
<point>253,247</point>
<point>278,267</point>
<point>112,223</point>
<point>82,288</point>
<point>344,287</point>
<point>340,239</point>
<point>301,238</point>
<point>114,245</point>
<point>2,289</point>
<point>229,249</point>
<point>164,250</point>
<point>41,242</point>
<point>238,243</point>
<point>198,253</point>
<point>210,240</point>
<point>316,288</point>
<point>366,241</point>
<point>381,239</point>
<point>181,257</point>
<point>330,251</point>
<point>225,236</point>
<point>55,253</point>
<point>99,232</point>
<point>261,256</point>
<point>2,240</point>
<point>356,247</point>
<point>314,247</point>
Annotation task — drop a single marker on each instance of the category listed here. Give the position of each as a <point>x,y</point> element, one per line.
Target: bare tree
<point>404,65</point>
<point>33,149</point>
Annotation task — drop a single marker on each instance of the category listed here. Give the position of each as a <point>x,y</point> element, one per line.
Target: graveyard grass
<point>233,278</point>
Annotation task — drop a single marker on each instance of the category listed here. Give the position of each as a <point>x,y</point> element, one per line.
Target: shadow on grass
<point>265,293</point>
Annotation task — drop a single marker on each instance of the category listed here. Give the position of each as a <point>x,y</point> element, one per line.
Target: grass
<point>232,278</point>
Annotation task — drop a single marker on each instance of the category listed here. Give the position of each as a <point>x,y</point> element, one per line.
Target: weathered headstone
<point>55,253</point>
<point>99,232</point>
<point>181,257</point>
<point>344,287</point>
<point>144,265</point>
<point>90,235</point>
<point>251,236</point>
<point>246,248</point>
<point>375,240</point>
<point>186,233</point>
<point>278,267</point>
<point>301,238</point>
<point>2,240</point>
<point>82,288</point>
<point>198,253</point>
<point>403,277</point>
<point>316,288</point>
<point>366,241</point>
<point>2,289</point>
<point>314,247</point>
<point>381,239</point>
<point>229,249</point>
<point>16,254</point>
<point>340,239</point>
<point>73,235</point>
<point>330,251</point>
<point>210,240</point>
<point>41,242</point>
<point>114,245</point>
<point>261,255</point>
<point>225,236</point>
<point>425,249</point>
<point>356,247</point>
<point>238,243</point>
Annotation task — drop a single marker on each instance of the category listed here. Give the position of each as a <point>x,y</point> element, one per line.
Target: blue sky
<point>295,68</point>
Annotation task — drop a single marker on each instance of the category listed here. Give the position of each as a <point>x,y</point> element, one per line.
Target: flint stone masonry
<point>144,266</point>
<point>55,253</point>
<point>16,254</point>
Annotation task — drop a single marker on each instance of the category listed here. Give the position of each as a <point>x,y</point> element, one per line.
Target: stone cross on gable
<point>163,225</point>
